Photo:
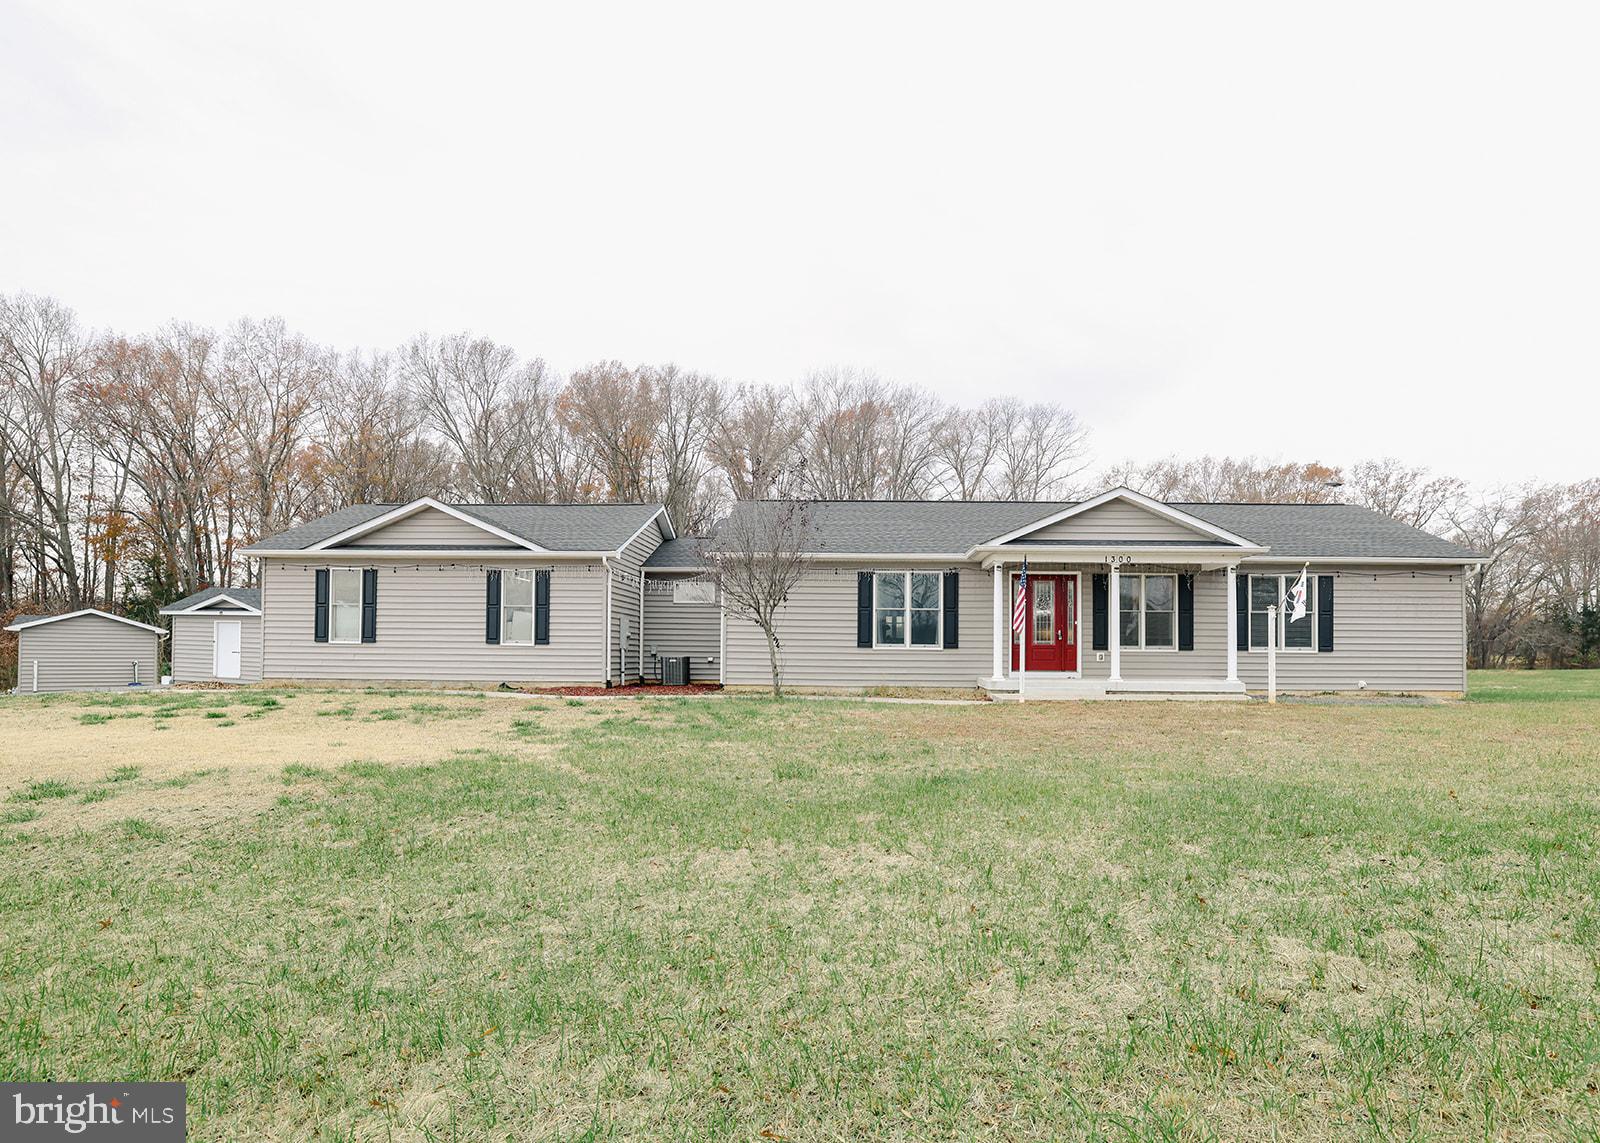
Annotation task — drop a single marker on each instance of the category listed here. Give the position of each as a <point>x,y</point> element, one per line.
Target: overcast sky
<point>1305,232</point>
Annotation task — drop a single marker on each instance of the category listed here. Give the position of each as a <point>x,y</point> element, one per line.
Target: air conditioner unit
<point>673,671</point>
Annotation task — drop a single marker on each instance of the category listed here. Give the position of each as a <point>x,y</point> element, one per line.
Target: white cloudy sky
<point>1300,231</point>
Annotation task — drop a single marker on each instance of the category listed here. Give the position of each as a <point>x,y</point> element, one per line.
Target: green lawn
<point>734,919</point>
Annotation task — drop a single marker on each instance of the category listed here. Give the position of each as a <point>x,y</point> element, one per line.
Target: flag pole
<point>1022,675</point>
<point>1272,654</point>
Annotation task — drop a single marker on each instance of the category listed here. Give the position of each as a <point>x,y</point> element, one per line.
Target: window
<point>516,607</point>
<point>694,591</point>
<point>906,609</point>
<point>1293,634</point>
<point>1148,610</point>
<point>344,625</point>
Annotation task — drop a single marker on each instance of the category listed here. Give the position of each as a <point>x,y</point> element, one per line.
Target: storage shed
<point>216,636</point>
<point>86,650</point>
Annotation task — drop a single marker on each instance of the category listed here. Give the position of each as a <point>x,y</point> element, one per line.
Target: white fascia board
<point>412,509</point>
<point>1176,515</point>
<point>210,605</point>
<point>320,555</point>
<point>85,611</point>
<point>660,513</point>
<point>1375,561</point>
<point>1207,556</point>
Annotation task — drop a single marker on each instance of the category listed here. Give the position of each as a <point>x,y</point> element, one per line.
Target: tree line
<point>134,467</point>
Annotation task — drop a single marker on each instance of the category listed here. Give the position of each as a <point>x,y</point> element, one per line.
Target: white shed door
<point>226,641</point>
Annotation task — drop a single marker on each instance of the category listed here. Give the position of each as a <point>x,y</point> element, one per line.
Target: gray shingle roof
<point>1328,531</point>
<point>676,554</point>
<point>249,596</point>
<point>555,527</point>
<point>937,527</point>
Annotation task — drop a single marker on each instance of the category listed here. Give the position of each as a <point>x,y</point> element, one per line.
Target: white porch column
<point>1115,609</point>
<point>999,573</point>
<point>1233,623</point>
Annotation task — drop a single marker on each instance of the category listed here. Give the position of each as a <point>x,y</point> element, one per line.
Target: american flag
<point>1019,613</point>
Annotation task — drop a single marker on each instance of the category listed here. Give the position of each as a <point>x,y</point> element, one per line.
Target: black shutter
<point>541,606</point>
<point>1324,613</point>
<point>491,608</point>
<point>1241,606</point>
<point>1186,613</point>
<point>1100,638</point>
<point>319,622</point>
<point>369,605</point>
<point>863,609</point>
<point>952,617</point>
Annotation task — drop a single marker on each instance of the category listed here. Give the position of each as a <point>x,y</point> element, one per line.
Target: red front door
<point>1052,624</point>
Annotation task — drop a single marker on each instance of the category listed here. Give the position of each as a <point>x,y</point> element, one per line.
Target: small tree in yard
<point>757,558</point>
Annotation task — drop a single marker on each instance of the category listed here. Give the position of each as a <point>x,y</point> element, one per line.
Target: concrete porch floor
<point>1045,688</point>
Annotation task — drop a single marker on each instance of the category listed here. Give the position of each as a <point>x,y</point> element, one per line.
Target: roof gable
<point>425,522</point>
<point>43,620</point>
<point>214,598</point>
<point>1120,516</point>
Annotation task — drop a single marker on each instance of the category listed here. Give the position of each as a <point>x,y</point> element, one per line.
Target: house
<point>85,650</point>
<point>435,592</point>
<point>1125,594</point>
<point>216,636</point>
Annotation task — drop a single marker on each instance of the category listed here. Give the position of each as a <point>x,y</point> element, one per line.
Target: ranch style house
<point>1125,595</point>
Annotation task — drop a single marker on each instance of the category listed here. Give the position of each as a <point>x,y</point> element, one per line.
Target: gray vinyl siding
<point>193,650</point>
<point>88,653</point>
<point>1115,520</point>
<point>1399,629</point>
<point>817,630</point>
<point>1396,628</point>
<point>627,572</point>
<point>428,526</point>
<point>431,625</point>
<point>693,629</point>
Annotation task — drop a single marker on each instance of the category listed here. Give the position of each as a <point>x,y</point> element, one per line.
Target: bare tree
<point>1042,447</point>
<point>614,413</point>
<point>1411,495</point>
<point>689,406</point>
<point>755,443</point>
<point>373,447</point>
<point>757,558</point>
<point>43,358</point>
<point>475,394</point>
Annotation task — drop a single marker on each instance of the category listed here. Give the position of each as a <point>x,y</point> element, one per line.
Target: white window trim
<point>1127,577</point>
<point>907,609</point>
<point>333,606</point>
<point>507,574</point>
<point>1313,604</point>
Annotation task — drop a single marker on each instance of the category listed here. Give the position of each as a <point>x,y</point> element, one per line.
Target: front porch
<point>1183,622</point>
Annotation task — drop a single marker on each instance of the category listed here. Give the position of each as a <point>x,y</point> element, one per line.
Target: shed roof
<point>34,621</point>
<point>249,596</point>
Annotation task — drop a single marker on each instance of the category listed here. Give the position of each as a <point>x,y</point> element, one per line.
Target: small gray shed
<point>88,650</point>
<point>216,636</point>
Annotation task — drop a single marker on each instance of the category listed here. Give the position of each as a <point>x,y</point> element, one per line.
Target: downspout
<point>605,643</point>
<point>641,623</point>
